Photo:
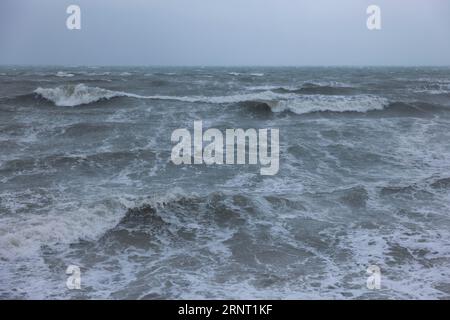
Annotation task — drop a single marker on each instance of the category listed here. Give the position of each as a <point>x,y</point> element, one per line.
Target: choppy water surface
<point>86,179</point>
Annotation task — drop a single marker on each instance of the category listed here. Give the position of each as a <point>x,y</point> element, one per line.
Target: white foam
<point>321,103</point>
<point>22,235</point>
<point>301,85</point>
<point>80,94</point>
<point>63,74</point>
<point>433,86</point>
<point>242,97</point>
<point>440,89</point>
<point>271,87</point>
<point>70,96</point>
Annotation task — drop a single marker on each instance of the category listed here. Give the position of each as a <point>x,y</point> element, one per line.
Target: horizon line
<point>227,66</point>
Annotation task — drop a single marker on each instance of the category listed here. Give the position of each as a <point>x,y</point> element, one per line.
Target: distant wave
<point>434,89</point>
<point>63,74</point>
<point>253,74</point>
<point>414,108</point>
<point>106,73</point>
<point>315,89</point>
<point>298,104</point>
<point>328,88</point>
<point>304,104</point>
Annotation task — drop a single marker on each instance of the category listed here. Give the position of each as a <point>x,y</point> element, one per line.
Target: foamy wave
<point>80,94</point>
<point>437,88</point>
<point>236,98</point>
<point>433,86</point>
<point>299,104</point>
<point>88,222</point>
<point>254,74</point>
<point>106,73</point>
<point>71,96</point>
<point>325,103</point>
<point>63,74</point>
<point>302,85</point>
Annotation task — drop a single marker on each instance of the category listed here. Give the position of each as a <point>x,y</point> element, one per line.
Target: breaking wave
<point>63,74</point>
<point>88,222</point>
<point>325,88</point>
<point>275,100</point>
<point>324,103</point>
<point>318,89</point>
<point>80,94</point>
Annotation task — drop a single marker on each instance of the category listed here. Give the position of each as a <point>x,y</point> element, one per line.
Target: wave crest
<point>80,94</point>
<point>75,95</point>
<point>63,74</point>
<point>326,103</point>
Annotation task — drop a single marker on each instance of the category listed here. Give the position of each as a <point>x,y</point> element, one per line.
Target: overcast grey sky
<point>225,32</point>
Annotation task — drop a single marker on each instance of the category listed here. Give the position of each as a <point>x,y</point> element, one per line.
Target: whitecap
<point>325,103</point>
<point>63,74</point>
<point>80,94</point>
<point>70,96</point>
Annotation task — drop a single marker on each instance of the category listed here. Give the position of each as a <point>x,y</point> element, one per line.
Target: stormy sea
<point>86,179</point>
